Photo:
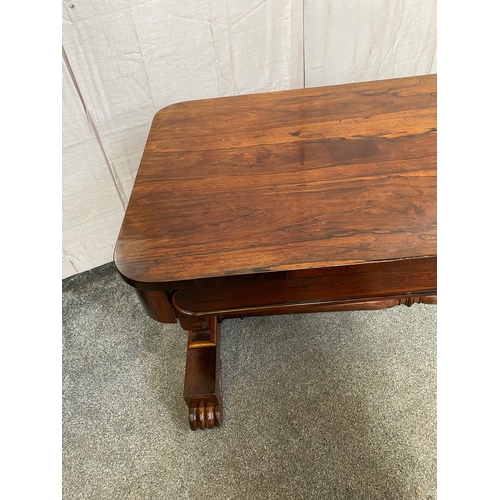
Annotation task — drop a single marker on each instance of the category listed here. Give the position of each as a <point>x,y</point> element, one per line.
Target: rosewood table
<point>318,199</point>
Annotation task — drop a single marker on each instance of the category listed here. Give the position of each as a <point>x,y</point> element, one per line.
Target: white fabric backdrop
<point>364,40</point>
<point>124,60</point>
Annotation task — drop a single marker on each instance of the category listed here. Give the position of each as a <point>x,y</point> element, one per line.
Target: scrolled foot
<point>205,417</point>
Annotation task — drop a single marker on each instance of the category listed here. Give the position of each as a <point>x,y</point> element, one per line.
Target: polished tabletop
<point>285,180</point>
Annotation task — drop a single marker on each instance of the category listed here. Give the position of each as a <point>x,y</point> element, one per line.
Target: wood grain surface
<point>374,281</point>
<point>285,180</point>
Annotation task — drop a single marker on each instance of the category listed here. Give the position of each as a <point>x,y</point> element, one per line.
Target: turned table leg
<point>202,390</point>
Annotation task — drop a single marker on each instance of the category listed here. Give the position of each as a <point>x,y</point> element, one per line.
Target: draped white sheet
<point>126,59</point>
<point>364,40</point>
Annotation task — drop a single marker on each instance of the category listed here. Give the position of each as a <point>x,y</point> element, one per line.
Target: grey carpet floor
<point>328,406</point>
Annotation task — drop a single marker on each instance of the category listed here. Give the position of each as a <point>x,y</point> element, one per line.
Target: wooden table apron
<point>306,200</point>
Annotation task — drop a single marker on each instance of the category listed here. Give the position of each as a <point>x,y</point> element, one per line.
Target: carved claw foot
<point>205,417</point>
<point>202,388</point>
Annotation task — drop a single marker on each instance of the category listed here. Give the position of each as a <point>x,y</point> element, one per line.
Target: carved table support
<point>202,389</point>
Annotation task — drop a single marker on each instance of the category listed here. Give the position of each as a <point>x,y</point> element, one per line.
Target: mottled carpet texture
<point>328,405</point>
